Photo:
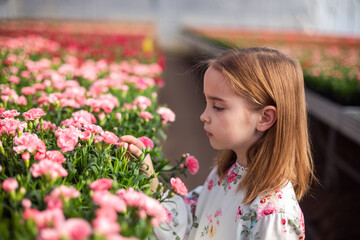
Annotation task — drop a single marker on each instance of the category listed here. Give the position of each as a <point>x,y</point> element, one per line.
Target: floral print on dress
<point>238,214</point>
<point>231,177</point>
<point>191,200</point>
<point>213,223</point>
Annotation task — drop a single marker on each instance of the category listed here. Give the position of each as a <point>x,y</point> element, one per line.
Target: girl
<point>256,116</point>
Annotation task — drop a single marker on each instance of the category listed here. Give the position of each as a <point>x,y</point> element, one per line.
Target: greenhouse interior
<point>104,104</point>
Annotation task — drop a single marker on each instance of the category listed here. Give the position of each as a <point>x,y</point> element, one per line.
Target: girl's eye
<point>217,108</point>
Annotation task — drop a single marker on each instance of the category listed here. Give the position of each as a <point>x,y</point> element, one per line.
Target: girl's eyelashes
<point>217,108</point>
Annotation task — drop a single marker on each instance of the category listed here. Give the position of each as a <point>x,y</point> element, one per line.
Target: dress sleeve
<point>182,210</point>
<point>277,226</point>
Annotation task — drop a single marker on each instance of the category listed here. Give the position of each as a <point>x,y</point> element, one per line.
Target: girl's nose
<point>204,118</point>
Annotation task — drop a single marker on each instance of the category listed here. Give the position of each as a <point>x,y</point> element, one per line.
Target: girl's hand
<point>134,146</point>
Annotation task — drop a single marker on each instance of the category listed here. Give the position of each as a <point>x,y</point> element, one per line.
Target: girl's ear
<point>268,116</point>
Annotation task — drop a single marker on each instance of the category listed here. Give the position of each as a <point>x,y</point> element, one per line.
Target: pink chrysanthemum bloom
<point>148,206</point>
<point>49,217</point>
<point>147,142</point>
<point>55,156</point>
<point>101,184</point>
<point>10,125</point>
<point>33,114</point>
<point>192,164</point>
<point>166,114</point>
<point>58,195</point>
<point>74,229</point>
<point>105,226</point>
<point>104,198</point>
<point>110,138</point>
<point>89,117</point>
<point>179,186</point>
<point>48,167</point>
<point>28,142</point>
<point>10,114</point>
<point>67,138</point>
<point>142,102</point>
<point>9,185</point>
<point>146,115</point>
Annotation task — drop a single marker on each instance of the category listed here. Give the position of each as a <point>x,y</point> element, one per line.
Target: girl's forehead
<point>215,83</point>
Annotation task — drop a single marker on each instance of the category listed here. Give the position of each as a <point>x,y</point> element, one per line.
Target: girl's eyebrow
<point>216,98</point>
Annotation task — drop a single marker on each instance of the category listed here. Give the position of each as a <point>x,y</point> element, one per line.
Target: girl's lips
<point>208,134</point>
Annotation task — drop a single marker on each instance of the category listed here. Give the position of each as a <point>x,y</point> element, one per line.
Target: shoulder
<point>281,209</point>
<point>279,201</point>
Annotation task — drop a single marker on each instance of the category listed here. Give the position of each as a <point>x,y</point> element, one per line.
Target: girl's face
<point>228,121</point>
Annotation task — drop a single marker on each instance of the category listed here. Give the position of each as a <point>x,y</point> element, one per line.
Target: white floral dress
<point>216,211</point>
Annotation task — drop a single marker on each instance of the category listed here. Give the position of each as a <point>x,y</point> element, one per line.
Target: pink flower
<point>105,226</point>
<point>105,199</point>
<point>118,116</point>
<point>49,234</point>
<point>25,156</point>
<point>47,125</point>
<point>218,213</point>
<point>110,138</point>
<point>39,156</point>
<point>210,184</point>
<point>48,167</point>
<point>75,229</point>
<point>22,101</point>
<point>64,192</point>
<point>34,113</point>
<point>101,184</point>
<point>147,142</point>
<point>107,213</point>
<point>49,217</point>
<point>232,176</point>
<point>10,114</point>
<point>28,90</point>
<point>142,102</point>
<point>67,138</point>
<point>85,135</point>
<point>166,114</point>
<point>148,205</point>
<point>101,116</point>
<point>179,186</point>
<point>146,115</point>
<point>9,185</point>
<point>55,156</point>
<point>89,117</point>
<point>265,210</point>
<point>28,142</point>
<point>190,201</point>
<point>14,79</point>
<point>93,128</point>
<point>26,203</point>
<point>58,195</point>
<point>192,164</point>
<point>10,125</point>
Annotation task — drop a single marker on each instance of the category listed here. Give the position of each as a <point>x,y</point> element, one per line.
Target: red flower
<point>283,221</point>
<point>231,177</point>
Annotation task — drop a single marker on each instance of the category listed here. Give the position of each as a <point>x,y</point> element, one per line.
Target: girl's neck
<point>241,158</point>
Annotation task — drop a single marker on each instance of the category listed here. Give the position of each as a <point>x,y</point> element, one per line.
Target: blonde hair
<point>264,77</point>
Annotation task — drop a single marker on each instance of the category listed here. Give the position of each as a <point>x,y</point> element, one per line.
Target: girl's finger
<point>124,144</point>
<point>132,140</point>
<point>135,150</point>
